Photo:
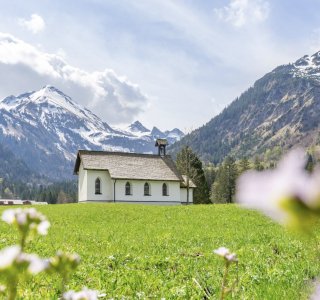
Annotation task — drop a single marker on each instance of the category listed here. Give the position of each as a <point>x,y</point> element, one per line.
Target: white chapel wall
<point>106,185</point>
<point>183,195</point>
<point>82,184</point>
<point>137,191</point>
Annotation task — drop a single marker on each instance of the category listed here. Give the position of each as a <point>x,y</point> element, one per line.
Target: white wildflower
<point>222,251</point>
<point>43,227</point>
<point>226,254</point>
<point>268,190</point>
<point>8,216</point>
<point>12,257</point>
<point>21,218</point>
<point>33,213</point>
<point>232,257</point>
<point>85,294</point>
<point>27,219</point>
<point>37,264</point>
<point>8,256</point>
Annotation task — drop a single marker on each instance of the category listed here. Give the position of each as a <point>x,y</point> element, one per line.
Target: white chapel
<point>105,176</point>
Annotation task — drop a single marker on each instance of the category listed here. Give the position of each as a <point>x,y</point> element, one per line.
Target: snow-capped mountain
<point>280,111</point>
<point>138,130</point>
<point>308,67</point>
<point>45,129</point>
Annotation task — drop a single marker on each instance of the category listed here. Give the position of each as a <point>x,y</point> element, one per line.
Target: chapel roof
<point>123,165</point>
<point>184,183</point>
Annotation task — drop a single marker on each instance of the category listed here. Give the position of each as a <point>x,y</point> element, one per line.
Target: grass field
<point>136,251</point>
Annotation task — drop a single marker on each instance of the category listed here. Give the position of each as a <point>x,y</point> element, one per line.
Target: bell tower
<point>161,144</point>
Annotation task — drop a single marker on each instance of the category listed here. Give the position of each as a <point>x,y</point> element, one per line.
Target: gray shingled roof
<point>129,165</point>
<point>184,182</point>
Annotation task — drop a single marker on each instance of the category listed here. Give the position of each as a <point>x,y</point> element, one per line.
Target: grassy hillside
<point>132,251</point>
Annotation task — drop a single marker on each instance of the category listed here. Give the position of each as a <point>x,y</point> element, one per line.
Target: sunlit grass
<point>132,251</point>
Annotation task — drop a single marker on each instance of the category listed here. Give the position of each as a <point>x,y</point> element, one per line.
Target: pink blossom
<point>226,254</point>
<point>268,190</point>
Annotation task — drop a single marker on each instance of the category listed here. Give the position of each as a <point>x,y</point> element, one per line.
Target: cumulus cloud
<point>35,24</point>
<point>24,67</point>
<point>242,12</point>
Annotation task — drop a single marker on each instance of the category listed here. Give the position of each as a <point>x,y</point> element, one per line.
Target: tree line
<point>217,183</point>
<point>58,192</point>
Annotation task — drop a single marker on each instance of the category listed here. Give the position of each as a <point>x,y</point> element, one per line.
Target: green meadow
<point>154,252</point>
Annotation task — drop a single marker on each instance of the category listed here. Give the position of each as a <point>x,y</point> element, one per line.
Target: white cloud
<point>242,12</point>
<point>24,67</point>
<point>35,24</point>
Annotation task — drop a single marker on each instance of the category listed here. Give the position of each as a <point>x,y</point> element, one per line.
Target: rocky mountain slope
<point>12,168</point>
<point>282,109</point>
<point>46,128</point>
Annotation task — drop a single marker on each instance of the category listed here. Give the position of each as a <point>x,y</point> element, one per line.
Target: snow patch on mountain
<point>47,128</point>
<point>308,66</point>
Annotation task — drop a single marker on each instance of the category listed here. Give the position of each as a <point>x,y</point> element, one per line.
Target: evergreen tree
<point>257,164</point>
<point>244,165</point>
<point>310,163</point>
<point>223,189</point>
<point>217,193</point>
<point>190,165</point>
<point>210,173</point>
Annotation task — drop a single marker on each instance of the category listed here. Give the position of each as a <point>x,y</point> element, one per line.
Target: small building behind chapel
<point>105,176</point>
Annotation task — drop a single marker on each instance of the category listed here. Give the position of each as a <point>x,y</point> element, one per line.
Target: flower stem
<point>224,281</point>
<point>23,242</point>
<point>64,283</point>
<point>12,286</point>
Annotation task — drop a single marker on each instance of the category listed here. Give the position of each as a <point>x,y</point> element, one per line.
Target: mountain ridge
<point>281,110</point>
<point>45,129</point>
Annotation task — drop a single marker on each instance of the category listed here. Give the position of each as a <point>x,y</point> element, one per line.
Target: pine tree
<point>190,165</point>
<point>223,189</point>
<point>210,173</point>
<point>217,193</point>
<point>310,163</point>
<point>244,165</point>
<point>257,164</point>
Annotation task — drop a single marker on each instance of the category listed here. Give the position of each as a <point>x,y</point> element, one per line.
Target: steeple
<point>161,144</point>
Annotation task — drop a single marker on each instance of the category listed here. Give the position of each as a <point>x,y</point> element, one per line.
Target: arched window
<point>128,188</point>
<point>165,190</point>
<point>98,186</point>
<point>147,189</point>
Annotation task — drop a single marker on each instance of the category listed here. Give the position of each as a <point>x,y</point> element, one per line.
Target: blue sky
<point>166,63</point>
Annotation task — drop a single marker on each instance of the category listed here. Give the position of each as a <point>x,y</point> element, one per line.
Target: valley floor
<point>143,252</point>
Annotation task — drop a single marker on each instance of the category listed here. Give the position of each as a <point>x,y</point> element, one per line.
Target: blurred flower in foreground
<point>2,289</point>
<point>288,194</point>
<point>64,262</point>
<point>12,259</point>
<point>226,254</point>
<point>316,293</point>
<point>27,219</point>
<point>8,256</point>
<point>85,294</point>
